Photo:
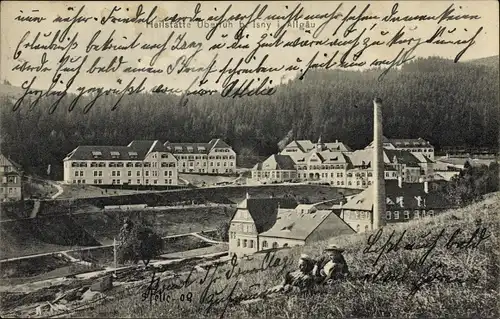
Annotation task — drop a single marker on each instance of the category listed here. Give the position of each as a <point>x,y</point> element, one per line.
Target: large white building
<point>337,165</point>
<point>214,157</point>
<point>417,146</point>
<point>142,162</point>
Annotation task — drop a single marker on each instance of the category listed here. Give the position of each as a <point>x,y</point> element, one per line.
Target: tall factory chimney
<point>378,167</point>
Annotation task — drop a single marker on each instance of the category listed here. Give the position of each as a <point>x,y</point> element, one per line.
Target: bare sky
<point>486,42</point>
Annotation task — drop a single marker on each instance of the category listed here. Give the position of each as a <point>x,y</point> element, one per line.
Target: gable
<point>331,226</point>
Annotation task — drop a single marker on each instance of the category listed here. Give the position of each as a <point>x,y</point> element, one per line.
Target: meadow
<point>443,266</point>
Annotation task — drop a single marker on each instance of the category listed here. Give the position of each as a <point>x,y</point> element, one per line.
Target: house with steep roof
<point>412,145</point>
<point>267,223</point>
<point>404,201</point>
<point>141,162</point>
<point>276,168</point>
<point>214,157</point>
<point>252,217</point>
<point>11,179</point>
<point>303,225</point>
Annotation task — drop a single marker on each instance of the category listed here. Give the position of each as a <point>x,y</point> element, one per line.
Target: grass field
<point>41,235</point>
<point>106,225</point>
<point>104,256</point>
<point>427,277</point>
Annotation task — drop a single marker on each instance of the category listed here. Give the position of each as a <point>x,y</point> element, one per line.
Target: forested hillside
<point>436,99</point>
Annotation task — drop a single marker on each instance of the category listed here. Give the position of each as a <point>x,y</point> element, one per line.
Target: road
<point>65,252</point>
<point>60,190</point>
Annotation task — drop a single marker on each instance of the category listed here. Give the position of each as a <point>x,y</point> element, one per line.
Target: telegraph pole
<point>114,253</point>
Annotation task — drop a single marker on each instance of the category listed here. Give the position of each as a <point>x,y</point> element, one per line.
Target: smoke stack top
<point>377,100</point>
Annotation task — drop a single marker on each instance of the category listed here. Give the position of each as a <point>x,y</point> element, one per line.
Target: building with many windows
<point>214,157</point>
<point>414,146</point>
<point>11,176</point>
<point>142,162</point>
<point>404,201</point>
<point>337,165</point>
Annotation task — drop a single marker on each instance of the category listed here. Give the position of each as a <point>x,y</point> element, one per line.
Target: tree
<point>138,242</point>
<point>223,231</point>
<point>472,182</point>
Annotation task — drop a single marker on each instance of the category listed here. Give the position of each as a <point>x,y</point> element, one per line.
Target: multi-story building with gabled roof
<point>142,162</point>
<point>214,157</point>
<point>340,166</point>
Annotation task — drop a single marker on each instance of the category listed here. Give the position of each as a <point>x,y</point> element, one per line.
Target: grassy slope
<point>106,225</point>
<point>40,235</point>
<point>354,298</point>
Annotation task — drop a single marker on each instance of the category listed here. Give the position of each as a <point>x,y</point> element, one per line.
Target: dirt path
<point>60,190</point>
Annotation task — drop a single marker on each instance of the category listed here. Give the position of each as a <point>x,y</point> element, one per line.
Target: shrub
<point>138,242</point>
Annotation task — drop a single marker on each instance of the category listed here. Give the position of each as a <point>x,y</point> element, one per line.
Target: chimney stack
<point>400,181</point>
<point>426,187</point>
<point>247,196</point>
<point>378,167</point>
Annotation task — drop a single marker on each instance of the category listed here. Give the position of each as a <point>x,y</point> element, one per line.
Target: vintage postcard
<point>253,159</point>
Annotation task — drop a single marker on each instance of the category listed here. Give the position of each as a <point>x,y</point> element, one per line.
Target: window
<point>238,243</point>
<point>76,173</point>
<point>431,213</point>
<point>138,173</point>
<point>264,244</point>
<point>396,214</point>
<point>117,173</point>
<point>138,181</point>
<point>113,173</point>
<point>244,242</point>
<point>147,173</point>
<point>388,215</point>
<point>275,245</point>
<point>357,228</point>
<point>285,245</point>
<point>251,243</point>
<point>366,228</point>
<point>416,214</point>
<point>407,214</point>
<point>129,173</point>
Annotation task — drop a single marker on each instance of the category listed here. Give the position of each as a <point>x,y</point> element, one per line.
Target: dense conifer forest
<point>447,103</point>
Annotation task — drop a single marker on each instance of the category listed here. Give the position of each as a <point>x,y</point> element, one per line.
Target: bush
<point>471,184</point>
<point>138,242</point>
